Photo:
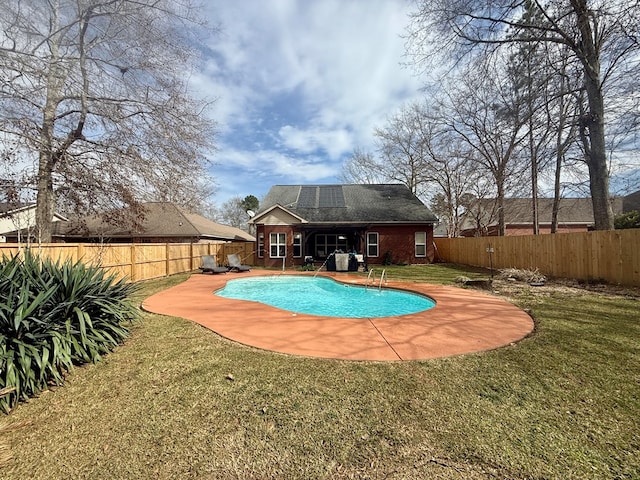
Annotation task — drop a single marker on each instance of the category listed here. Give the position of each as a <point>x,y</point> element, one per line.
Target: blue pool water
<point>326,297</point>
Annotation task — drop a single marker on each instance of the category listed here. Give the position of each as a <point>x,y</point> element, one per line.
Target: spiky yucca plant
<point>54,315</point>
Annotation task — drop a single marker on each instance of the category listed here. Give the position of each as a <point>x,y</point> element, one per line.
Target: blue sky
<point>299,85</point>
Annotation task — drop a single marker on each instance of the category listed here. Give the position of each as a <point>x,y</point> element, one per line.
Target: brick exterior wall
<point>267,261</point>
<point>399,241</point>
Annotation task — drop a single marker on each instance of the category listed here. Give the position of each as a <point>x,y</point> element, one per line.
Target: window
<point>277,245</point>
<point>372,244</point>
<point>327,244</point>
<point>421,244</point>
<point>261,245</point>
<point>297,245</point>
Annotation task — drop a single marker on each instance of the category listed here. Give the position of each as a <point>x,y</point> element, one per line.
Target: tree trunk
<point>559,154</point>
<point>452,227</point>
<point>556,190</point>
<point>500,202</point>
<point>45,199</point>
<point>597,159</point>
<point>533,154</point>
<point>534,175</point>
<point>595,151</point>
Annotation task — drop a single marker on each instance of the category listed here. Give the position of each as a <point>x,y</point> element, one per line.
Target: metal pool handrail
<point>382,278</point>
<point>371,273</point>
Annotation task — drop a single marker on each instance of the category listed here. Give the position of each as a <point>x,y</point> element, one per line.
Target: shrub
<point>627,220</point>
<point>522,275</point>
<point>462,279</point>
<point>54,315</point>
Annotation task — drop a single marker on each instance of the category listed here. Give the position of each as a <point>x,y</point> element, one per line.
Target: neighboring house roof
<point>19,220</point>
<point>11,207</point>
<point>440,230</point>
<point>8,209</point>
<point>351,204</point>
<point>631,202</point>
<point>157,219</point>
<point>518,211</point>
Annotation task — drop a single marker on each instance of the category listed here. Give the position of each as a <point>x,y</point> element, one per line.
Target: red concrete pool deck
<point>463,321</point>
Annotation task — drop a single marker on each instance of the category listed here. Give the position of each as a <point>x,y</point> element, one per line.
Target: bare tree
<point>453,173</point>
<point>96,92</point>
<point>549,89</point>
<point>233,212</point>
<point>405,151</point>
<point>530,82</point>
<point>602,36</point>
<point>192,190</point>
<point>403,144</point>
<point>562,103</point>
<point>486,114</point>
<point>362,168</point>
<point>481,208</point>
<point>417,148</point>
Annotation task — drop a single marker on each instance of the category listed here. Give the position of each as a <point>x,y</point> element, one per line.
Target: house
<point>631,202</point>
<point>574,215</point>
<point>18,222</point>
<point>337,224</point>
<point>154,222</point>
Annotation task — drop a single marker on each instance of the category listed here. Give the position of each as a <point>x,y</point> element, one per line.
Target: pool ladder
<point>371,273</point>
<point>382,276</point>
<point>372,277</point>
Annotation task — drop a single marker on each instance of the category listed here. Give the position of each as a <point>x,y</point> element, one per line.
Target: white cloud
<point>252,172</point>
<point>335,143</point>
<point>270,162</point>
<point>301,84</point>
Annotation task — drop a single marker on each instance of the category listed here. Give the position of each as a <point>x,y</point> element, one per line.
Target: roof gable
<point>277,215</point>
<point>379,203</point>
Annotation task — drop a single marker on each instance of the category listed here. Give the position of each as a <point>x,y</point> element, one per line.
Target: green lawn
<point>178,401</point>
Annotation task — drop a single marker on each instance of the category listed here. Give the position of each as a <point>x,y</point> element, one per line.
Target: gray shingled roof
<point>8,210</point>
<point>518,210</point>
<point>631,202</point>
<point>351,204</point>
<point>11,207</point>
<point>160,219</point>
<point>571,210</point>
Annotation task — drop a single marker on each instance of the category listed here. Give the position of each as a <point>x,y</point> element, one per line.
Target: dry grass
<point>522,275</point>
<point>5,426</point>
<point>178,401</point>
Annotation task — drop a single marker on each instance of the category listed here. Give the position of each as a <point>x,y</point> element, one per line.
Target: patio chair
<point>235,264</point>
<point>210,265</point>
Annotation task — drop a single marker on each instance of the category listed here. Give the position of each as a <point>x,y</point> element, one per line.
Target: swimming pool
<point>324,296</point>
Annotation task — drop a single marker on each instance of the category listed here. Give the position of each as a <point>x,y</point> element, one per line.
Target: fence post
<point>133,262</point>
<point>167,262</point>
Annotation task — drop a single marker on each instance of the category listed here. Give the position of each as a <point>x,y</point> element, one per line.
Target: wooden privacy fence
<point>613,255</point>
<point>139,261</point>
